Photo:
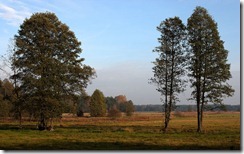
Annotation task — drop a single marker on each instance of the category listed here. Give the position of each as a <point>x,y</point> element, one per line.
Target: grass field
<point>139,132</point>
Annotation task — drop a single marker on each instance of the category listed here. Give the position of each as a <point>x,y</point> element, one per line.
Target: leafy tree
<point>121,98</point>
<point>129,108</point>
<point>169,68</point>
<point>47,65</point>
<point>208,68</point>
<point>97,105</point>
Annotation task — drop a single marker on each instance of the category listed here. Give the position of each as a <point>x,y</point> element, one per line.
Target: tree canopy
<point>169,68</point>
<point>47,64</point>
<point>208,67</point>
<point>97,104</point>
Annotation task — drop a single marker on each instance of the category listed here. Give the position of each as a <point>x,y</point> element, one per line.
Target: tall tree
<point>208,67</point>
<point>47,65</point>
<point>169,68</point>
<point>97,104</point>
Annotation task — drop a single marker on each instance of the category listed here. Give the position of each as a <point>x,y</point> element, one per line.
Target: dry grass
<point>141,131</point>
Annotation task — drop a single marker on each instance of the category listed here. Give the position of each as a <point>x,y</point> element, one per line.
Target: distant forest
<point>186,108</point>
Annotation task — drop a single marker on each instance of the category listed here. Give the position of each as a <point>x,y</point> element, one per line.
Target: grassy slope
<point>140,132</point>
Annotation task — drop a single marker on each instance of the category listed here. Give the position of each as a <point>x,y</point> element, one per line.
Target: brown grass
<point>141,131</point>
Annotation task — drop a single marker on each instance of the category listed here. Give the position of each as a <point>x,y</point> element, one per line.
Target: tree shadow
<point>111,146</point>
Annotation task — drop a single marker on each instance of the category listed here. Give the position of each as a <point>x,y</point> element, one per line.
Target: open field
<point>139,132</point>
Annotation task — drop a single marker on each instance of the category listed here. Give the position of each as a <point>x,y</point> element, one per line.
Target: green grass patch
<point>221,132</point>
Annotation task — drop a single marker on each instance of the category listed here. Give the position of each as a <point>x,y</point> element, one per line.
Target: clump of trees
<point>197,49</point>
<point>125,106</point>
<point>98,105</point>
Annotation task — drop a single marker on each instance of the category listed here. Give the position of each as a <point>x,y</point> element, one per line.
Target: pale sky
<point>118,37</point>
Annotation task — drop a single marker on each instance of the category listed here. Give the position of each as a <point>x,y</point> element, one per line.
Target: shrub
<point>129,108</point>
<point>114,113</point>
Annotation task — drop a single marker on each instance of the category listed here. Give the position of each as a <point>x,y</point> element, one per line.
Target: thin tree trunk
<point>171,84</point>
<point>203,87</point>
<point>166,98</point>
<point>42,122</point>
<point>51,125</point>
<point>202,108</point>
<point>203,99</point>
<point>199,128</point>
<point>20,119</point>
<point>165,115</point>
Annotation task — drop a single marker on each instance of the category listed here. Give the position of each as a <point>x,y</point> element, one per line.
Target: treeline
<point>97,105</point>
<point>186,108</point>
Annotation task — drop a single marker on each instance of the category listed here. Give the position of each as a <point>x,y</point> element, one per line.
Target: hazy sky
<point>118,37</point>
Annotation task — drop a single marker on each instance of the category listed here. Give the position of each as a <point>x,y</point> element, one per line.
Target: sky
<point>118,37</point>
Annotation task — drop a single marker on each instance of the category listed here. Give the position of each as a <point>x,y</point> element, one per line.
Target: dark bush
<point>114,113</point>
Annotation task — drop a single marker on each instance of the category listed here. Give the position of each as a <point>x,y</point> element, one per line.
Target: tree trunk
<point>166,99</point>
<point>165,116</point>
<point>171,87</point>
<point>202,103</point>
<point>50,128</point>
<point>20,119</point>
<point>198,118</point>
<point>202,108</point>
<point>199,124</point>
<point>42,122</point>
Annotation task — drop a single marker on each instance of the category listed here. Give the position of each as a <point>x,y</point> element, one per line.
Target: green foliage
<point>208,67</point>
<point>97,105</point>
<point>47,64</point>
<point>129,110</point>
<point>119,104</point>
<point>169,68</point>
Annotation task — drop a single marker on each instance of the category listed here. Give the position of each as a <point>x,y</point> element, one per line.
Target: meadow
<point>142,131</point>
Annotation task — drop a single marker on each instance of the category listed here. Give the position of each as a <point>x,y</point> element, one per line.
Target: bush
<point>129,108</point>
<point>114,113</point>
